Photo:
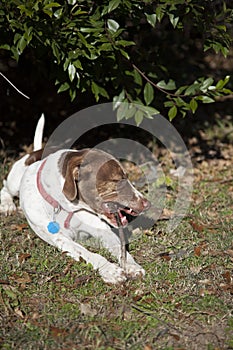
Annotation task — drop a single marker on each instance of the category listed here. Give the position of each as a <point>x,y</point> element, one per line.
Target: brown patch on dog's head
<point>109,178</point>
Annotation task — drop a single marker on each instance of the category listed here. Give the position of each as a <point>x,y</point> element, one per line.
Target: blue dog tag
<point>53,227</point>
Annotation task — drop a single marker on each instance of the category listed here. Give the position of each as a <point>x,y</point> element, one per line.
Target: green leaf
<point>222,27</point>
<point>121,111</point>
<point>118,99</point>
<point>112,25</point>
<point>160,12</point>
<point>227,91</point>
<point>125,43</point>
<point>71,71</point>
<point>148,93</point>
<point>149,111</point>
<point>192,89</point>
<point>130,112</point>
<point>52,4</point>
<point>183,113</point>
<point>206,83</point>
<point>78,64</point>
<point>63,87</point>
<point>95,90</point>
<point>72,94</point>
<point>181,89</point>
<point>98,90</point>
<point>179,102</point>
<point>151,19</point>
<point>113,4</point>
<point>22,43</point>
<point>137,77</point>
<point>172,112</point>
<point>56,51</point>
<point>28,34</point>
<point>66,64</point>
<point>17,37</point>
<point>24,9</point>
<point>168,103</point>
<point>82,38</point>
<point>5,47</point>
<point>168,181</point>
<point>174,20</point>
<point>125,54</point>
<point>193,105</point>
<point>58,13</point>
<point>225,51</point>
<point>138,117</point>
<point>105,47</point>
<point>221,83</point>
<point>48,9</point>
<point>206,99</point>
<point>170,85</point>
<point>15,53</point>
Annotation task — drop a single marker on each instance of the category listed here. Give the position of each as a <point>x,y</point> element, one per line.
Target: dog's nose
<point>146,204</point>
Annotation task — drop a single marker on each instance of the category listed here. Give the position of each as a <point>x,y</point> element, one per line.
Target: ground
<point>49,301</point>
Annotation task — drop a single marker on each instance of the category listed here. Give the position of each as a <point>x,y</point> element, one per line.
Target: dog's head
<point>98,179</point>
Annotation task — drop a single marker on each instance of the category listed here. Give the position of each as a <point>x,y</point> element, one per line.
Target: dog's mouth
<point>118,215</point>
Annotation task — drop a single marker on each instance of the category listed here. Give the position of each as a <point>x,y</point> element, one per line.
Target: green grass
<point>49,301</point>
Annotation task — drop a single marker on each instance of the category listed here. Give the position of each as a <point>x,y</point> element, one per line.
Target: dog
<point>75,193</point>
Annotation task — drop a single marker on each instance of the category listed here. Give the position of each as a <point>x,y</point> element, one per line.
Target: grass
<point>49,301</point>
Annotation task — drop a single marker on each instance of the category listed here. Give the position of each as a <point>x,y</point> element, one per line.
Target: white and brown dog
<point>71,193</point>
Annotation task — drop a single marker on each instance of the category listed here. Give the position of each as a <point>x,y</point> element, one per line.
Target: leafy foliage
<point>125,51</point>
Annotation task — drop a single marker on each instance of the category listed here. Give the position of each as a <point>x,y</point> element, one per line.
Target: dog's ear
<point>70,171</point>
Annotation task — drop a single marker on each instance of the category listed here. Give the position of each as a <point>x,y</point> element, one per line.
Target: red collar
<point>48,198</point>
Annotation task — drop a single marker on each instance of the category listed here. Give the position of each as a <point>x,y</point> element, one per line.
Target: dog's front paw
<point>7,207</point>
<point>112,273</point>
<point>134,270</point>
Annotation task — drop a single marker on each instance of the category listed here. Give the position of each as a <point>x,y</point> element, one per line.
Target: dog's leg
<point>112,242</point>
<point>11,187</point>
<point>7,205</point>
<point>111,273</point>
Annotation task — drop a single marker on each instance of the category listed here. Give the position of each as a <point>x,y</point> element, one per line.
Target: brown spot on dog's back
<point>34,156</point>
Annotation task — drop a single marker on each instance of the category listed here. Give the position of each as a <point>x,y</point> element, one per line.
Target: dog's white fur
<point>22,182</point>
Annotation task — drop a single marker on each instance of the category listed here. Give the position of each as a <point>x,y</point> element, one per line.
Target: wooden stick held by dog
<point>123,243</point>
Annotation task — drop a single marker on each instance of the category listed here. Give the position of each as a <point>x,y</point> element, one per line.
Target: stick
<point>20,92</point>
<point>123,243</point>
<point>113,207</point>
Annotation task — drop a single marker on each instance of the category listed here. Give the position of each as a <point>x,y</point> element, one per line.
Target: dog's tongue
<point>123,218</point>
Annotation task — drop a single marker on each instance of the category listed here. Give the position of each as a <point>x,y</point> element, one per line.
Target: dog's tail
<point>38,138</point>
